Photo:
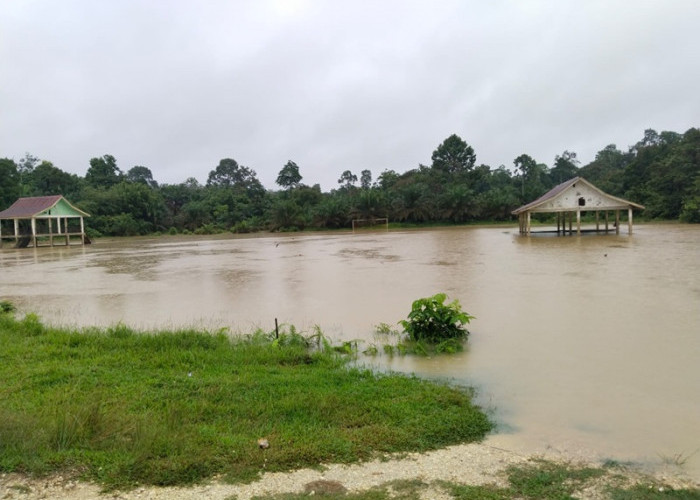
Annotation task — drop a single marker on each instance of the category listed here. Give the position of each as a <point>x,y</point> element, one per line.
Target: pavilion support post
<point>597,221</point>
<point>82,230</point>
<point>578,222</point>
<point>16,231</point>
<point>606,221</point>
<point>558,221</point>
<point>571,221</point>
<point>563,223</point>
<point>528,223</point>
<point>617,222</point>
<point>629,220</point>
<point>65,226</point>
<point>34,231</point>
<point>50,232</point>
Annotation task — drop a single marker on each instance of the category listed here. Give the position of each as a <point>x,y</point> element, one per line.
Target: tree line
<point>661,171</point>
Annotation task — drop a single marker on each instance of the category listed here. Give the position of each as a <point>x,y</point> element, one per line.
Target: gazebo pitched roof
<point>26,208</point>
<point>548,202</point>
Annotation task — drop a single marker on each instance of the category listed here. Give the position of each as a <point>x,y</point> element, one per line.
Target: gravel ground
<point>474,464</point>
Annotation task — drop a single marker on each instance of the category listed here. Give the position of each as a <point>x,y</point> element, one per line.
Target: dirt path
<point>474,464</point>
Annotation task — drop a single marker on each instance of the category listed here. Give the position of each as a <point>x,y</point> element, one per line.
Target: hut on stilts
<point>572,198</point>
<point>41,219</point>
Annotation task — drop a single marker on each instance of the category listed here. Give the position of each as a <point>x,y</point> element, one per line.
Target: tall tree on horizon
<point>454,155</point>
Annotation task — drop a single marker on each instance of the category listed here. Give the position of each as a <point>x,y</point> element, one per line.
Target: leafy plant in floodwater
<point>432,321</point>
<point>321,341</point>
<point>371,350</point>
<point>347,347</point>
<point>385,329</point>
<point>6,307</point>
<point>449,346</point>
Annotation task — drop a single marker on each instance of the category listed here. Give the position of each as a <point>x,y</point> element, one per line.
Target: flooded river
<point>586,345</point>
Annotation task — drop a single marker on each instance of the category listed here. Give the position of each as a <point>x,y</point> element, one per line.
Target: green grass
<point>170,408</point>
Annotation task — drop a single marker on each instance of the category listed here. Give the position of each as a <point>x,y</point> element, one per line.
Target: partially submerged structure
<point>569,200</point>
<point>42,218</point>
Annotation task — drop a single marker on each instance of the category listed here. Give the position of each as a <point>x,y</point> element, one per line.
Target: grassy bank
<point>126,408</point>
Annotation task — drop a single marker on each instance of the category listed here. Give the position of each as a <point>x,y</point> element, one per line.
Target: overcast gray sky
<point>339,85</point>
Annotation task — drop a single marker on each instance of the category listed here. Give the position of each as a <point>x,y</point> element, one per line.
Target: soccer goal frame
<point>372,224</point>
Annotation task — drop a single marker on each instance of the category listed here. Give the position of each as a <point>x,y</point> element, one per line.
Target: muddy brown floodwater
<point>585,345</point>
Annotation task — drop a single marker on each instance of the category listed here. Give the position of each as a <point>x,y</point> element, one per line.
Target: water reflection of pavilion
<point>571,198</point>
<point>33,221</point>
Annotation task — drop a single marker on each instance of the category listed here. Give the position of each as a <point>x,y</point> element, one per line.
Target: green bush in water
<point>6,307</point>
<point>433,321</point>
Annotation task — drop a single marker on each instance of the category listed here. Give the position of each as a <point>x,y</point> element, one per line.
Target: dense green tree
<point>286,214</point>
<point>454,155</point>
<point>195,214</point>
<point>651,138</point>
<point>9,183</point>
<point>289,177</point>
<point>176,196</point>
<point>534,178</point>
<point>47,179</point>
<point>387,179</point>
<point>347,179</point>
<point>365,179</point>
<point>498,202</point>
<point>607,169</point>
<point>25,167</point>
<point>307,196</point>
<point>414,202</point>
<point>125,209</point>
<point>141,175</point>
<point>103,172</point>
<point>457,204</point>
<point>243,180</point>
<point>27,164</point>
<point>368,204</point>
<point>332,212</point>
<point>690,210</point>
<point>526,166</point>
<point>229,173</point>
<point>565,167</point>
<point>670,172</point>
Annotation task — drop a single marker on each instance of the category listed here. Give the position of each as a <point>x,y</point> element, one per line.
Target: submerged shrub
<point>6,307</point>
<point>433,321</point>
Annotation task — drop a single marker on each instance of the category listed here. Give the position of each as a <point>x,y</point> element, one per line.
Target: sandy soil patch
<point>474,464</point>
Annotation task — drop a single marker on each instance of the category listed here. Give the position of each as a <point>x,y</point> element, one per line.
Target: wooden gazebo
<point>33,220</point>
<point>569,199</point>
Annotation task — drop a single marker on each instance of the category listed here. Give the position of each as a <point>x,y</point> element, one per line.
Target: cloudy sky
<point>339,85</point>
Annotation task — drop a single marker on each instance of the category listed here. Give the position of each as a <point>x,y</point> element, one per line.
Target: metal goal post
<point>377,223</point>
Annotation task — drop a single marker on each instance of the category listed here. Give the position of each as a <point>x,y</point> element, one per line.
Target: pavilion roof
<point>558,191</point>
<point>26,208</point>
